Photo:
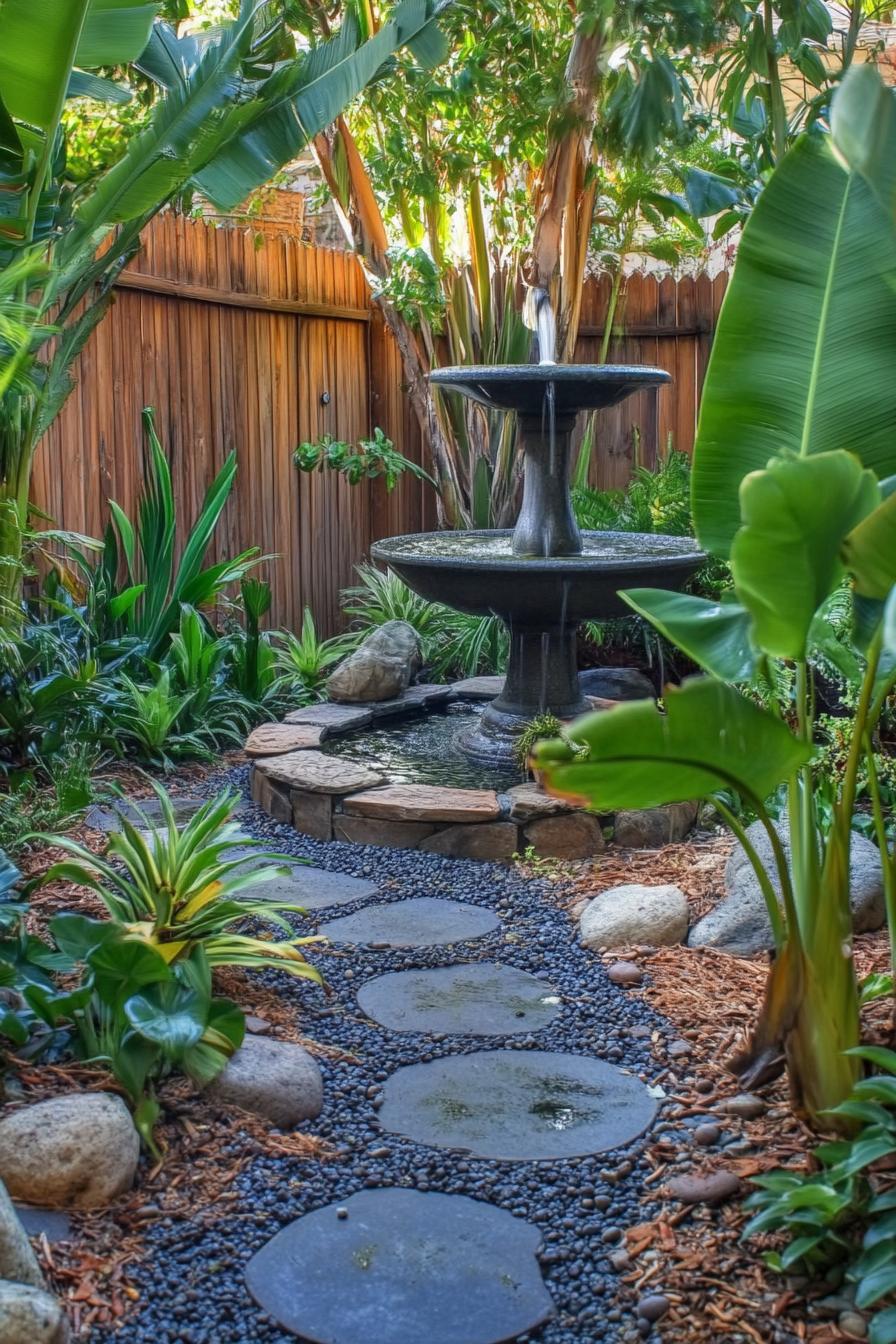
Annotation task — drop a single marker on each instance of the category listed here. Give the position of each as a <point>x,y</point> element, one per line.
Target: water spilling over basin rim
<point>477,572</point>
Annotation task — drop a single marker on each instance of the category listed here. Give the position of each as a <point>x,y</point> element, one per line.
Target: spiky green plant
<point>179,889</point>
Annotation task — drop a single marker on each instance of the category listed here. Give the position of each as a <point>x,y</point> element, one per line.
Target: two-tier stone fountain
<point>544,577</point>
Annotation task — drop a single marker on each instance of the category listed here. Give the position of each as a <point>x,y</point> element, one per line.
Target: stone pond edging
<point>332,798</point>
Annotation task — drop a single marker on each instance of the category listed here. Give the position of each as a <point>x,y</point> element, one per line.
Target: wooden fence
<point>255,342</point>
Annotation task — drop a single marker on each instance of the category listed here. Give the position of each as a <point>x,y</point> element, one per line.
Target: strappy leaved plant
<point>181,889</point>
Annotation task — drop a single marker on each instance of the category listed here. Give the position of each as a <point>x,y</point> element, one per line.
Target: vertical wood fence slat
<point>235,371</point>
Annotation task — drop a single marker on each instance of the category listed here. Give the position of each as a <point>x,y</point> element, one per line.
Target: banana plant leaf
<point>785,559</point>
<point>863,124</point>
<point>715,634</point>
<point>803,356</point>
<point>710,737</point>
<point>40,41</point>
<point>869,552</point>
<point>303,97</point>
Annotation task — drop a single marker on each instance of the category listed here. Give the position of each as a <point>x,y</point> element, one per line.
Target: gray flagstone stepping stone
<point>402,1267</point>
<point>479,999</point>
<point>109,818</point>
<point>314,888</point>
<point>423,921</point>
<point>517,1105</point>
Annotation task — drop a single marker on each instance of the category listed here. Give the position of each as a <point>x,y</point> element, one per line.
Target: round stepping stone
<point>401,1267</point>
<point>517,1106</point>
<point>480,999</point>
<point>313,888</point>
<point>423,921</point>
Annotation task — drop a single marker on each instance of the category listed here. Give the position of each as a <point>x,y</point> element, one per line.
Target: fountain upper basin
<point>477,572</point>
<point>522,387</point>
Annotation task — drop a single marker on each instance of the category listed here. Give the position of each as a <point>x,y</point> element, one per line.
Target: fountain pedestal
<point>546,524</point>
<point>542,677</point>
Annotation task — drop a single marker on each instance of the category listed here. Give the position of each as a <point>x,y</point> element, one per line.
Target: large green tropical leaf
<point>710,737</point>
<point>41,40</point>
<point>785,559</point>
<point>869,552</point>
<point>38,42</point>
<point>715,634</point>
<point>303,97</point>
<point>863,124</point>
<point>804,354</point>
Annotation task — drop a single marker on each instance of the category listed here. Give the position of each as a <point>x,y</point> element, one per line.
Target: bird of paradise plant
<point>794,485</point>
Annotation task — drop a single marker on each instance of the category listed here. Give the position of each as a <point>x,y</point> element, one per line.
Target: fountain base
<point>542,678</point>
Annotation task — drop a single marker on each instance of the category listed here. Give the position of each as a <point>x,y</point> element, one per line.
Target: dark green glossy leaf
<point>715,634</point>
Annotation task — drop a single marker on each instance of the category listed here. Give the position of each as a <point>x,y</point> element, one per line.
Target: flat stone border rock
<point>425,802</point>
<point>423,921</point>
<point>481,998</point>
<point>517,1105</point>
<point>273,739</point>
<point>313,772</point>
<point>332,719</point>
<point>479,688</point>
<point>403,1267</point>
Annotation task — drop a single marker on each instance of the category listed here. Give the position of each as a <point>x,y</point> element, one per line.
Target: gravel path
<point>191,1279</point>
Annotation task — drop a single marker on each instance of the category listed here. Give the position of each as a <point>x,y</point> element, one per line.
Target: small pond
<point>426,750</point>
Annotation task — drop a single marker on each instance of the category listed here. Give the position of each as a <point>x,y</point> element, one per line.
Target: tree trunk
<point>565,192</point>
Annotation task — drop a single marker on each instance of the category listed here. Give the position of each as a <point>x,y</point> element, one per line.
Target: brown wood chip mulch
<point>718,1287</point>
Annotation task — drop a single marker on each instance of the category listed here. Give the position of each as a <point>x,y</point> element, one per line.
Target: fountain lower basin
<point>542,600</point>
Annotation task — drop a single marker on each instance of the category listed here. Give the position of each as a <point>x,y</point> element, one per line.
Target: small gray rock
<point>79,1150</point>
<point>653,1307</point>
<point>745,1106</point>
<point>275,1079</point>
<point>707,1135</point>
<point>257,1026</point>
<point>740,925</point>
<point>381,667</point>
<point>634,913</point>
<point>852,1324</point>
<point>30,1316</point>
<point>17,1260</point>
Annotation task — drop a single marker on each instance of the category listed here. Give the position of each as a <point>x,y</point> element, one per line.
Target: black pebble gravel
<point>191,1278</point>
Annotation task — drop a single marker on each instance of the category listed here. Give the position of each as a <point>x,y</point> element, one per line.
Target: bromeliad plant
<point>795,452</point>
<point>181,890</point>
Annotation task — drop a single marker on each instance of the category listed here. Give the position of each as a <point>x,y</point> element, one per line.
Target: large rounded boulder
<point>76,1151</point>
